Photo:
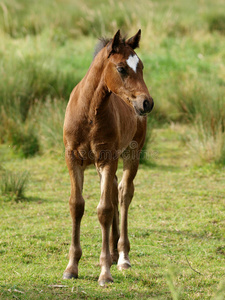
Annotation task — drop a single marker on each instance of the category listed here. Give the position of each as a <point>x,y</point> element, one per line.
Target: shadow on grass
<point>183,233</point>
<point>35,199</point>
<point>156,166</point>
<point>25,199</point>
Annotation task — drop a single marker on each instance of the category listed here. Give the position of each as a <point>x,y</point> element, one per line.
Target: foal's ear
<point>114,45</point>
<point>133,42</point>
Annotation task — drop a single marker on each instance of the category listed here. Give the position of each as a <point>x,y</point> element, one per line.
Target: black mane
<point>102,43</point>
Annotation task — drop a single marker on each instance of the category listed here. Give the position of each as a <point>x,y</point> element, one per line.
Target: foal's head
<point>123,74</point>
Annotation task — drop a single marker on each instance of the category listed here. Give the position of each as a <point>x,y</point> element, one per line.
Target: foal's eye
<point>122,70</point>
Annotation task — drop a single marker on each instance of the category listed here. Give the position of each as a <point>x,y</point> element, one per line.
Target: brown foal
<point>105,119</point>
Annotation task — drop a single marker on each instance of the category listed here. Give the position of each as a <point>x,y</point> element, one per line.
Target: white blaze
<point>132,62</point>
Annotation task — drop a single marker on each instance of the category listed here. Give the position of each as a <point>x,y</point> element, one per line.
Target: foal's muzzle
<point>144,107</point>
<point>148,105</point>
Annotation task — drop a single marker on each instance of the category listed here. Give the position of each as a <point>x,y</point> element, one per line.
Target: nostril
<point>147,106</point>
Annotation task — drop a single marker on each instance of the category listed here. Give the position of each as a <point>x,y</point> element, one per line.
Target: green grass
<point>44,57</point>
<point>13,185</point>
<point>177,217</point>
<point>176,229</point>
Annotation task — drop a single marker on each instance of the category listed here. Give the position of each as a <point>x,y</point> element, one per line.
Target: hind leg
<point>76,204</point>
<point>114,237</point>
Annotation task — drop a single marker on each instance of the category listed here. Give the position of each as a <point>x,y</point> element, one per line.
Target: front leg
<point>105,215</point>
<point>126,192</point>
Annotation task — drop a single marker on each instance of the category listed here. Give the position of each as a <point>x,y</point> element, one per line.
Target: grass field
<point>176,219</point>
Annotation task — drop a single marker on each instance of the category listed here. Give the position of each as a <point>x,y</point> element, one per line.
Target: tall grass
<point>13,185</point>
<point>50,118</point>
<point>146,156</point>
<point>31,77</point>
<point>67,18</point>
<point>47,48</point>
<point>217,23</point>
<point>29,80</point>
<point>206,145</point>
<point>41,131</point>
<point>203,106</point>
<point>21,135</point>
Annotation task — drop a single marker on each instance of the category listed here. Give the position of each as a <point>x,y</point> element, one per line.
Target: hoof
<point>105,282</point>
<point>69,276</point>
<point>124,266</point>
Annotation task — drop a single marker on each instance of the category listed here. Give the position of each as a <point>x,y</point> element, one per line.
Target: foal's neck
<point>95,91</point>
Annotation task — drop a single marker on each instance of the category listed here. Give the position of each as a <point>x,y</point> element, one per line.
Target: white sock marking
<point>132,62</point>
<point>122,260</point>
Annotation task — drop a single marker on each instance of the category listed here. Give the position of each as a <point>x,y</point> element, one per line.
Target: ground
<point>176,229</point>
